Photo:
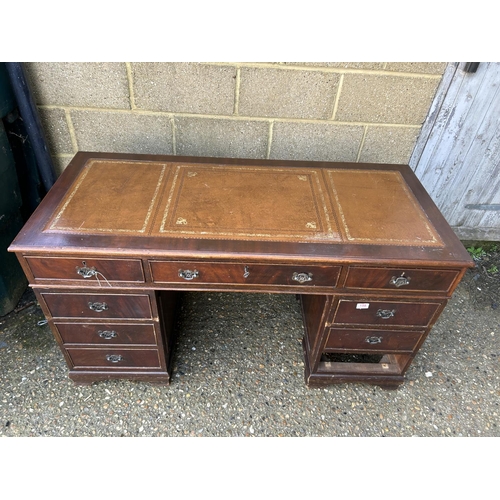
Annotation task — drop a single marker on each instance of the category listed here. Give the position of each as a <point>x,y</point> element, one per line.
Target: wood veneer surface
<point>174,205</point>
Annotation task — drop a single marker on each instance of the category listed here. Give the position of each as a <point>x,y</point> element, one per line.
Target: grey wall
<point>356,112</point>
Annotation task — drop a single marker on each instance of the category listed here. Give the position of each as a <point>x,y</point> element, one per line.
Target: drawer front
<point>437,280</point>
<point>255,274</point>
<point>89,270</point>
<point>366,312</point>
<point>106,333</point>
<point>372,340</point>
<point>75,305</point>
<point>114,358</point>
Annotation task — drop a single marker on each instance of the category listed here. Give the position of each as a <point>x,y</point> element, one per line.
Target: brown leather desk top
<point>207,207</point>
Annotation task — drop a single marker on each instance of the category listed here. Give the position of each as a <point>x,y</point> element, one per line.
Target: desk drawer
<point>255,274</point>
<point>379,278</point>
<point>75,305</point>
<point>348,340</point>
<point>92,271</point>
<point>114,358</point>
<point>366,312</point>
<point>106,333</point>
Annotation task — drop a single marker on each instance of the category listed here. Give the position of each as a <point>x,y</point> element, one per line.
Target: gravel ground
<point>242,375</point>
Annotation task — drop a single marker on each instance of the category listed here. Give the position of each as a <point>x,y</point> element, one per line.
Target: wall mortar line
<point>80,104</point>
<point>174,143</point>
<point>231,117</point>
<point>71,129</point>
<point>325,69</point>
<point>337,97</point>
<point>130,85</point>
<point>362,143</point>
<point>269,139</point>
<point>236,110</point>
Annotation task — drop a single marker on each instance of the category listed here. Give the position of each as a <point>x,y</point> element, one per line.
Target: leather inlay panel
<point>396,218</point>
<point>249,203</point>
<point>111,197</point>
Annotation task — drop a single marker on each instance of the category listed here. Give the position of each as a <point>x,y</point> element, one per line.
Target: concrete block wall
<point>354,112</point>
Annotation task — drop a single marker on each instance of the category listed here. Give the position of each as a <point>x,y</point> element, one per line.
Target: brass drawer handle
<point>187,274</point>
<point>302,277</point>
<point>114,358</point>
<point>373,340</point>
<point>400,280</point>
<point>107,334</point>
<point>86,272</point>
<point>385,313</point>
<point>98,306</point>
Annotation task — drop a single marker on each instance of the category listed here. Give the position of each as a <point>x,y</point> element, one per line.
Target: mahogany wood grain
<point>106,333</point>
<point>102,270</point>
<point>387,341</point>
<point>114,358</point>
<point>79,305</point>
<point>34,236</point>
<point>251,273</point>
<point>91,375</point>
<point>315,311</point>
<point>359,368</point>
<point>167,303</point>
<point>326,374</point>
<point>345,231</point>
<point>423,280</point>
<point>355,312</point>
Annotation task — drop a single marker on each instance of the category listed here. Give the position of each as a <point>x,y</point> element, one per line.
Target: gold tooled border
<point>434,241</point>
<point>327,236</point>
<point>52,226</point>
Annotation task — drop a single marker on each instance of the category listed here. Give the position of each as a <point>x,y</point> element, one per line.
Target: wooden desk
<point>118,236</point>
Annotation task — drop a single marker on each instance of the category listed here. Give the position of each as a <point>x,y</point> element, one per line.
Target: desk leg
<point>317,312</point>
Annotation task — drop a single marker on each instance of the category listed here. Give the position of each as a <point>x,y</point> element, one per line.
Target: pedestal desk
<point>119,236</point>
